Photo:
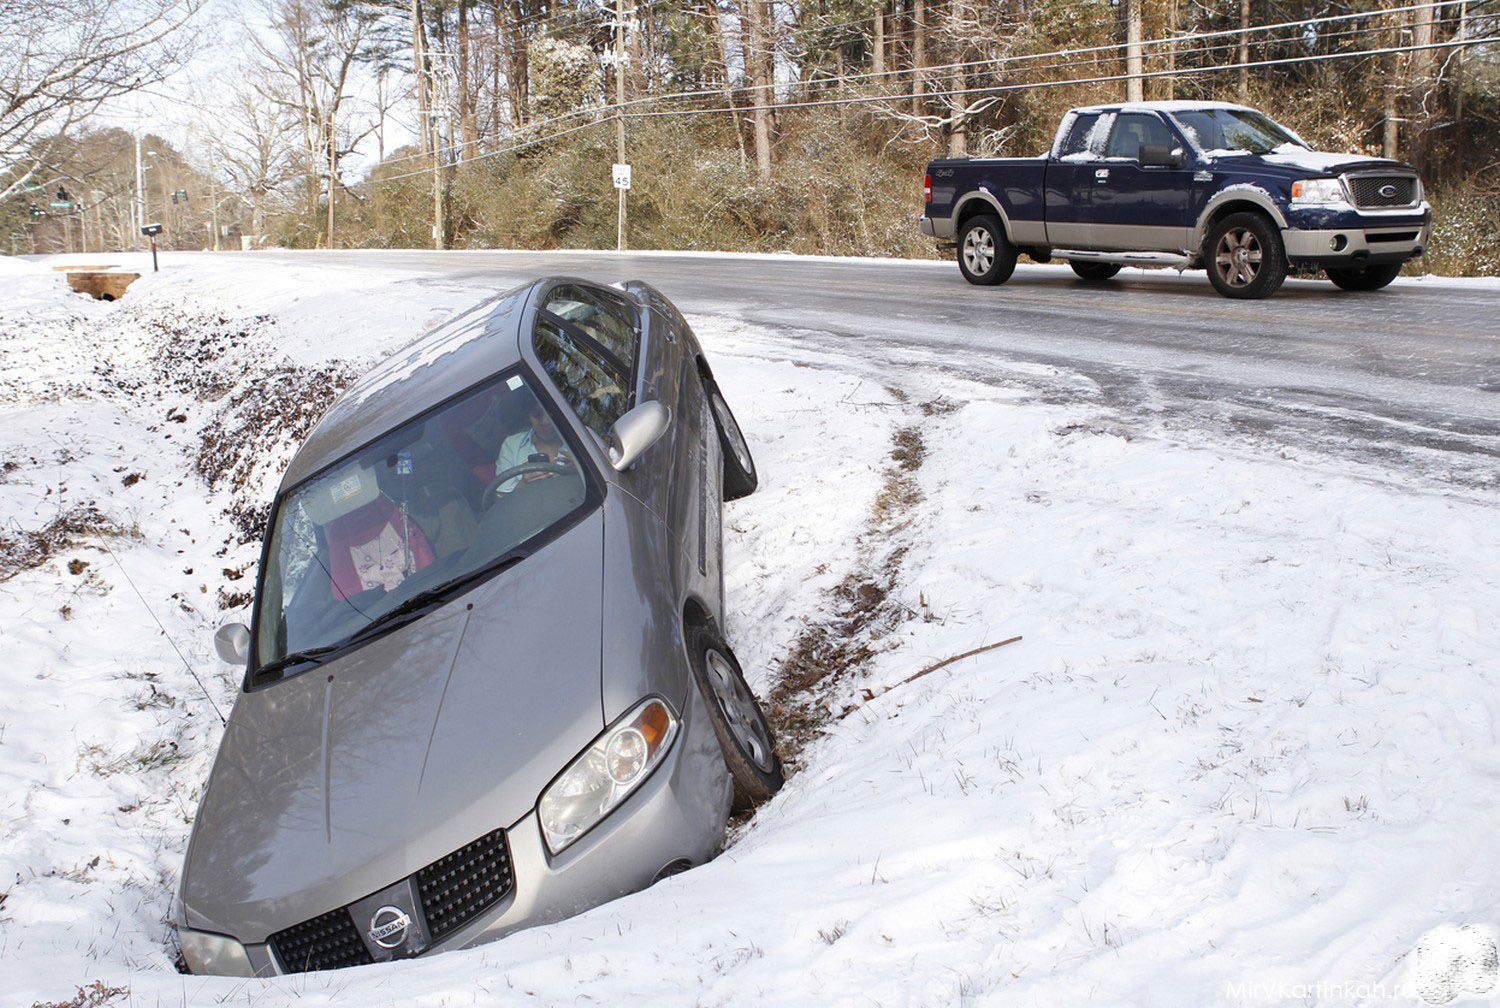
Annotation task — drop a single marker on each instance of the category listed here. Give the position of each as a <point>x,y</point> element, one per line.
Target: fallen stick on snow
<point>871,694</point>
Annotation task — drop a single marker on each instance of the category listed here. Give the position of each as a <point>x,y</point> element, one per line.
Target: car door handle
<point>1101,174</point>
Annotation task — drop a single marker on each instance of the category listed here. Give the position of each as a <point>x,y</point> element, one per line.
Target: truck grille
<point>457,888</point>
<point>1375,191</point>
<point>327,942</point>
<point>454,890</point>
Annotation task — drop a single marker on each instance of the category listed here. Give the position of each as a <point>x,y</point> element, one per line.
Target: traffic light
<point>179,194</point>
<point>37,211</point>
<point>62,195</point>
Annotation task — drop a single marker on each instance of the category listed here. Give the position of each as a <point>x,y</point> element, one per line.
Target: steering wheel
<point>557,468</point>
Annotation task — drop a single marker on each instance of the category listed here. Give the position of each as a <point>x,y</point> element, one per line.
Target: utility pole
<point>1242,89</point>
<point>620,119</point>
<point>140,194</point>
<point>1133,83</point>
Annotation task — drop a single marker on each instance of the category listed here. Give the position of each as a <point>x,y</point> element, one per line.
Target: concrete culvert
<point>101,286</point>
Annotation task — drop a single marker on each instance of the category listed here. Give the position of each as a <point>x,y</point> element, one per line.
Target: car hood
<point>353,775</point>
<point>1299,163</point>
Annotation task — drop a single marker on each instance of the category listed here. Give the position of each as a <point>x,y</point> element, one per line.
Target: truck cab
<point>1189,185</point>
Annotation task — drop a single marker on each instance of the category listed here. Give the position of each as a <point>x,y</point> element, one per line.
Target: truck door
<point>1070,179</point>
<point>1136,207</point>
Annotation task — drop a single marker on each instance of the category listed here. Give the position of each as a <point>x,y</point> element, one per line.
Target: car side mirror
<point>232,641</point>
<point>1160,156</point>
<point>636,431</point>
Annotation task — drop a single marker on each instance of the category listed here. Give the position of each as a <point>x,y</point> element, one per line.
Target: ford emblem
<point>388,926</point>
<point>1388,191</point>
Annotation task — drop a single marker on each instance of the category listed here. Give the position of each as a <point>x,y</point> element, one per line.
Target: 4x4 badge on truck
<point>388,926</point>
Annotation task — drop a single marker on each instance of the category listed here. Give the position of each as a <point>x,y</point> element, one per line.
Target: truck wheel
<point>1093,272</point>
<point>744,734</point>
<point>740,479</point>
<point>1245,256</point>
<point>985,256</point>
<point>1366,278</point>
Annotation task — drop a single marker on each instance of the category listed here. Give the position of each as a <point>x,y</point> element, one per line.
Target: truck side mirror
<point>1160,156</point>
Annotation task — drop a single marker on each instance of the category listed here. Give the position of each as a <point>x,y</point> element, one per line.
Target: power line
<point>607,118</point>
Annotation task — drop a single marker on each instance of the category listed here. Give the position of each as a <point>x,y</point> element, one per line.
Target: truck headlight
<point>213,955</point>
<point>605,773</point>
<point>1321,190</point>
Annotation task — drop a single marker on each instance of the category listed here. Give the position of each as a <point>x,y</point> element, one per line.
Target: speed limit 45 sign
<point>621,175</point>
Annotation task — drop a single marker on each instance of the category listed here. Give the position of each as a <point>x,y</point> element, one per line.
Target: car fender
<point>1239,192</point>
<point>983,196</point>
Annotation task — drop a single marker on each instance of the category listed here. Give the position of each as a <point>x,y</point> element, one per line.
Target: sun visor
<point>340,493</point>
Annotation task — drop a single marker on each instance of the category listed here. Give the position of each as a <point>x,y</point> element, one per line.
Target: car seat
<point>358,531</point>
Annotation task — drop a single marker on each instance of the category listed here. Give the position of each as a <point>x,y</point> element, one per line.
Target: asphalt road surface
<point>1408,376</point>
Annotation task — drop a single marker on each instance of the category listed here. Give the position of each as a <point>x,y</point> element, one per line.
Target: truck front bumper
<point>1321,238</point>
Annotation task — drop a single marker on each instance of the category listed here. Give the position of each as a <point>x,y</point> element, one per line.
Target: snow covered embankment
<point>1247,740</point>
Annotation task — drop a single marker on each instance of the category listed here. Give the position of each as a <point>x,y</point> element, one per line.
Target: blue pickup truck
<point>1186,185</point>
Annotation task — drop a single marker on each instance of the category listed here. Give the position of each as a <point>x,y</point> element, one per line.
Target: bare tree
<point>308,66</point>
<point>61,59</point>
<point>254,143</point>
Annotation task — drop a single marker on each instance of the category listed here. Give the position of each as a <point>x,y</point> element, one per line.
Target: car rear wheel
<point>1094,272</point>
<point>1245,256</point>
<point>1366,278</point>
<point>740,478</point>
<point>985,256</point>
<point>744,734</point>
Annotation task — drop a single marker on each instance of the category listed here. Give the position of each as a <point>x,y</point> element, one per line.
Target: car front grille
<point>461,886</point>
<point>454,890</point>
<point>1372,192</point>
<point>327,942</point>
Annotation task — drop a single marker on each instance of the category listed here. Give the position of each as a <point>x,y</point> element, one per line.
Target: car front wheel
<point>1367,278</point>
<point>744,734</point>
<point>1245,256</point>
<point>985,256</point>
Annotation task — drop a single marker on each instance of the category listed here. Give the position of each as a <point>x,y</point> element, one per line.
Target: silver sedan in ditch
<point>487,684</point>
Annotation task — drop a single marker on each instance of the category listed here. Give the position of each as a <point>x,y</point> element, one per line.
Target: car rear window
<point>606,319</point>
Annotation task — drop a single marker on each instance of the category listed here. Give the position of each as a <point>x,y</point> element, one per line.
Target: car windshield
<point>418,514</point>
<point>1220,131</point>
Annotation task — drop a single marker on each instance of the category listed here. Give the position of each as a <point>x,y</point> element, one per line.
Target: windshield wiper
<point>312,656</point>
<point>422,601</point>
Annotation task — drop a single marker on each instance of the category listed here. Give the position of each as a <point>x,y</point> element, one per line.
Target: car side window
<point>1077,144</point>
<point>1133,130</point>
<point>607,320</point>
<point>592,380</point>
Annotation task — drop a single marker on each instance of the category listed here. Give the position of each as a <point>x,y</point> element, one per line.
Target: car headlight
<point>213,955</point>
<point>1320,190</point>
<point>605,773</point>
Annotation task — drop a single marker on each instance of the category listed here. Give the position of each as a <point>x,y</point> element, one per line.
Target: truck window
<point>1079,144</point>
<point>1133,130</point>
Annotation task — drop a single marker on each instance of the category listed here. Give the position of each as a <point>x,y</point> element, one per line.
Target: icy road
<point>1412,371</point>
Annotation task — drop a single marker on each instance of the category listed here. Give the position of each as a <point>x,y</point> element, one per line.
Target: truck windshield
<point>410,519</point>
<point>1222,131</point>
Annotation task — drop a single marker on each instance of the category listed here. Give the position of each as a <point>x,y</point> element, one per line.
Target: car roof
<point>477,342</point>
<point>1179,105</point>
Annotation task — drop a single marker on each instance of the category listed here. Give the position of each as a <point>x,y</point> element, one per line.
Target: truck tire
<point>985,256</point>
<point>745,736</point>
<point>1245,256</point>
<point>740,477</point>
<point>1093,272</point>
<point>1364,278</point>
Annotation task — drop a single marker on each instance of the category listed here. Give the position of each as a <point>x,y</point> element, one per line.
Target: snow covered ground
<point>1245,751</point>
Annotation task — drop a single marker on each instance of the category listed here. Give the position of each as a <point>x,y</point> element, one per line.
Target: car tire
<point>1093,272</point>
<point>1364,278</point>
<point>740,477</point>
<point>1245,256</point>
<point>745,736</point>
<point>985,256</point>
